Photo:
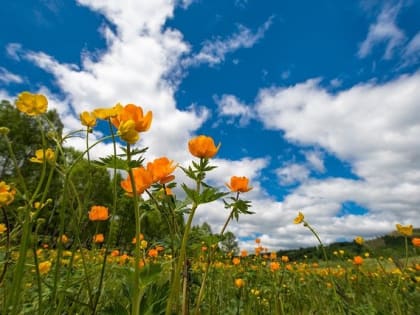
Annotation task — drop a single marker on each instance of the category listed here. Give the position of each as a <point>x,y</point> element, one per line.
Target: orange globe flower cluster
<point>158,171</point>
<point>129,120</point>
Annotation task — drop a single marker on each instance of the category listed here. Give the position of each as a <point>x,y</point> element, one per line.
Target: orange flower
<point>244,253</point>
<point>236,261</point>
<point>239,184</point>
<point>98,238</point>
<point>161,170</point>
<point>115,253</point>
<point>143,179</point>
<point>134,113</point>
<point>257,240</point>
<point>239,283</point>
<point>203,248</point>
<point>357,260</point>
<point>7,194</point>
<point>285,259</point>
<point>152,253</point>
<point>98,213</point>
<point>134,240</point>
<point>416,241</point>
<point>203,147</point>
<point>123,259</point>
<point>274,266</point>
<point>273,255</point>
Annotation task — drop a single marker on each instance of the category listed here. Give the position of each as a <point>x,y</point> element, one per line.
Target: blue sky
<point>316,101</point>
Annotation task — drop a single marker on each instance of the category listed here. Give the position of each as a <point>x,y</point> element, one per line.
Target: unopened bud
<point>4,130</point>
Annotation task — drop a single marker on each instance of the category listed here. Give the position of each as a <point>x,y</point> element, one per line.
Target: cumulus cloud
<point>230,106</point>
<point>292,174</point>
<point>384,30</point>
<point>315,160</point>
<point>374,128</point>
<point>214,51</point>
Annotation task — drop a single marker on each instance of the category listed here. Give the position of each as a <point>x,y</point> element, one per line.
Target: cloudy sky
<point>317,102</point>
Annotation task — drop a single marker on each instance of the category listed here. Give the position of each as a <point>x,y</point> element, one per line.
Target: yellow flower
<point>406,230</point>
<point>7,194</point>
<point>127,132</point>
<point>31,104</point>
<point>3,228</point>
<point>239,184</point>
<point>203,147</point>
<point>285,259</point>
<point>44,267</point>
<point>359,240</point>
<point>98,213</point>
<point>143,244</point>
<point>64,239</point>
<point>39,156</point>
<point>299,219</point>
<point>88,119</point>
<point>107,113</point>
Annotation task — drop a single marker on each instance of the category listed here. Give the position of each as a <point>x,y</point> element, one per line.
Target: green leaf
<point>191,193</point>
<point>112,161</point>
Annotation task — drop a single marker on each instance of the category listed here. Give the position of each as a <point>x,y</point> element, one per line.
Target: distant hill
<point>389,245</point>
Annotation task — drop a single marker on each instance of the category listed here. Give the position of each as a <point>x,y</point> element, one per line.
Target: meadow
<point>64,249</point>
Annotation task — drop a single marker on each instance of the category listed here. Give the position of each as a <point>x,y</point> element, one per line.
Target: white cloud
<point>315,160</point>
<point>384,30</point>
<point>374,128</point>
<point>292,174</point>
<point>8,77</point>
<point>214,51</point>
<point>12,50</point>
<point>230,106</point>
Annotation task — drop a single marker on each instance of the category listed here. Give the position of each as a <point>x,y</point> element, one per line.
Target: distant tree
<point>229,243</point>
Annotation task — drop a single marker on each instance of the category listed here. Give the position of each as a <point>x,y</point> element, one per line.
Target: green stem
<point>136,281</point>
<point>175,288</point>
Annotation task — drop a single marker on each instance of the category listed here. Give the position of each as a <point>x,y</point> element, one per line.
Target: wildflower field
<point>64,249</point>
